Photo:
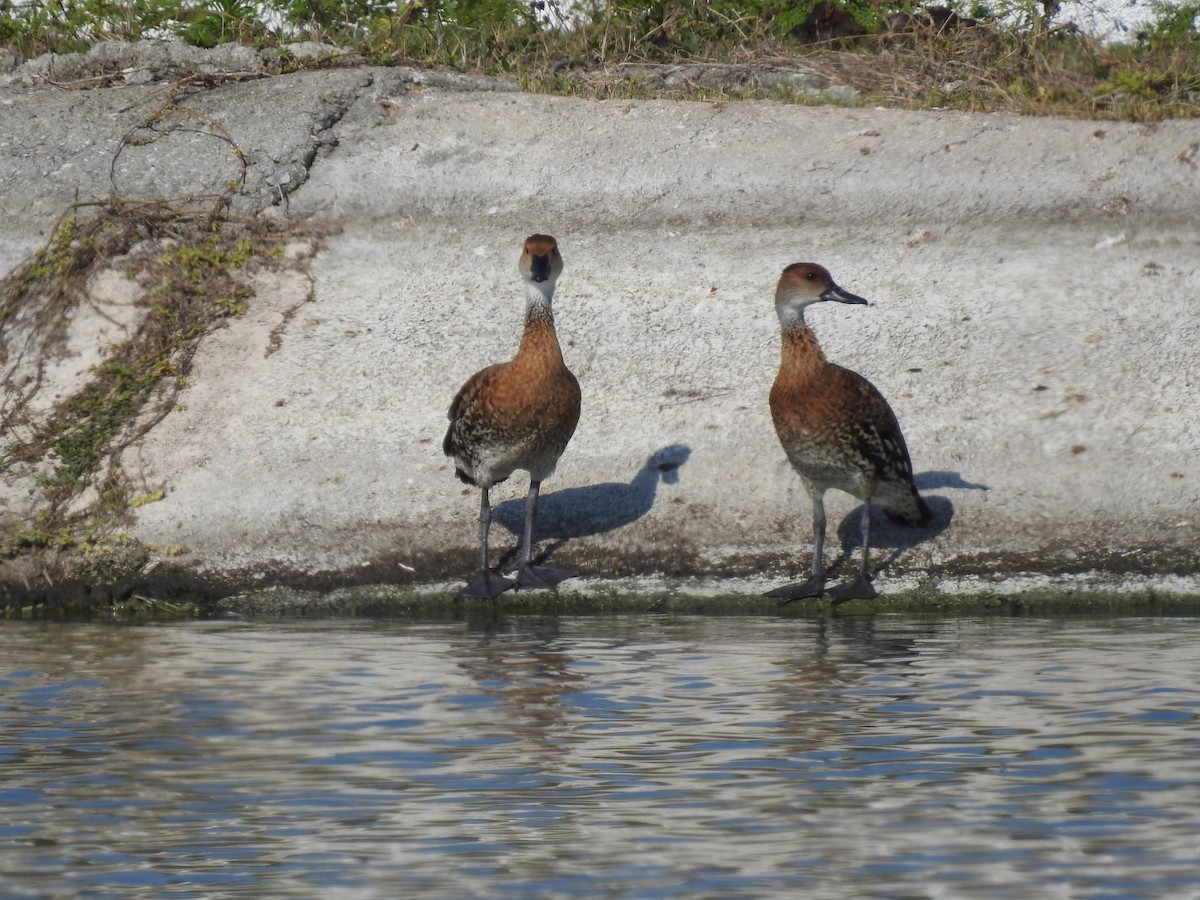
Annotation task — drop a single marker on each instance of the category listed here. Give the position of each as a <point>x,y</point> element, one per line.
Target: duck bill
<point>833,292</point>
<point>539,268</point>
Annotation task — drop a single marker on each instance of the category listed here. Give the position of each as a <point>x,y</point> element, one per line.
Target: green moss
<point>198,282</point>
<point>439,605</point>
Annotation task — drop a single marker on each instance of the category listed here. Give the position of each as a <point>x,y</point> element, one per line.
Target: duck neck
<point>801,354</point>
<point>538,298</point>
<point>539,338</point>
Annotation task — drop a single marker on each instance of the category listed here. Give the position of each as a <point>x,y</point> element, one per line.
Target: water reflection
<point>630,756</point>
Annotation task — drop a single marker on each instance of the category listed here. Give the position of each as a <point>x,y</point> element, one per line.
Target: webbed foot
<point>801,590</point>
<point>544,577</point>
<point>487,585</point>
<point>858,589</point>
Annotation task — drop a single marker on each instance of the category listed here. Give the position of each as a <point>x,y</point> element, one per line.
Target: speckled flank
<point>515,415</point>
<point>839,432</point>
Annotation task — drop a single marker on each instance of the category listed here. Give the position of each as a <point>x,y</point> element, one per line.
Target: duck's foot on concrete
<point>544,577</point>
<point>487,585</point>
<point>801,590</point>
<point>858,589</point>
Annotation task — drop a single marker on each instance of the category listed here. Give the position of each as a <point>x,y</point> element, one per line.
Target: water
<point>592,757</point>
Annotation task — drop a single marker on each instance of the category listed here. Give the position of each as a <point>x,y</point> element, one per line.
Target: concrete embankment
<point>1034,322</point>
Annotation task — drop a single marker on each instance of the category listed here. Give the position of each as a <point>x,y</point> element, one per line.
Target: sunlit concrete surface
<point>1033,322</point>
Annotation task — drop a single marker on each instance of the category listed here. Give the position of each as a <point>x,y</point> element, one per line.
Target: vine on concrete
<point>189,262</point>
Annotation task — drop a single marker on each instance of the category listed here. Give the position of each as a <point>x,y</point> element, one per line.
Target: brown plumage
<point>517,415</point>
<point>836,429</point>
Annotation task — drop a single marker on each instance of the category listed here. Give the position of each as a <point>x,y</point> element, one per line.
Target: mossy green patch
<point>433,605</point>
<point>189,271</point>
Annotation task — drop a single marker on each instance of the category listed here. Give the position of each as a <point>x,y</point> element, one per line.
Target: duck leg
<point>815,586</point>
<point>860,588</point>
<point>487,585</point>
<point>529,575</point>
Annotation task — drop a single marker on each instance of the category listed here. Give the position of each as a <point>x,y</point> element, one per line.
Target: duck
<point>517,415</point>
<point>837,431</point>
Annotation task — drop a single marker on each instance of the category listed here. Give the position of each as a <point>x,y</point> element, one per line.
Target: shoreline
<point>1031,321</point>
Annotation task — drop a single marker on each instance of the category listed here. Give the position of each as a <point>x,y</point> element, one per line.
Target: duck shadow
<point>886,535</point>
<point>578,512</point>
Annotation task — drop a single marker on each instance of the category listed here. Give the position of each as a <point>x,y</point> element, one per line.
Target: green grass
<point>1031,64</point>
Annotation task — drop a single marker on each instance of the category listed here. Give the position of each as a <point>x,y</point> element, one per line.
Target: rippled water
<point>593,757</point>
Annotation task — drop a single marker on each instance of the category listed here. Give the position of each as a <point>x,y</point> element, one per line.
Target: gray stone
<point>312,50</point>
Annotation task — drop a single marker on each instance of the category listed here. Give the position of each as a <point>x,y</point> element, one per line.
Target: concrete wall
<point>1034,322</point>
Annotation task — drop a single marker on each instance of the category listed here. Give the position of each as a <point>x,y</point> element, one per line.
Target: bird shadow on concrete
<point>578,512</point>
<point>886,535</point>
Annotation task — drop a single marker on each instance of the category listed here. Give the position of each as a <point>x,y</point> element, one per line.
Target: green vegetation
<point>1015,55</point>
<point>133,607</point>
<point>191,265</point>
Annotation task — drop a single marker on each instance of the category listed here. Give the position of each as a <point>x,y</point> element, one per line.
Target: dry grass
<point>716,49</point>
<point>978,68</point>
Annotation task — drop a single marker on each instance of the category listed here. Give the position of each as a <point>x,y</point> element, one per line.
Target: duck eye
<point>811,276</point>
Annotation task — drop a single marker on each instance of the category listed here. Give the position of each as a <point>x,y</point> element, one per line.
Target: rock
<point>312,50</point>
<point>139,62</point>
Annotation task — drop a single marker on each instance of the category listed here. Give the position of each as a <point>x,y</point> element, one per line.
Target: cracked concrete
<point>1033,322</point>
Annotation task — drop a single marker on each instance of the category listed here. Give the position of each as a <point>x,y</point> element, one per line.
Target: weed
<point>192,265</point>
<point>232,307</point>
<point>1015,55</point>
